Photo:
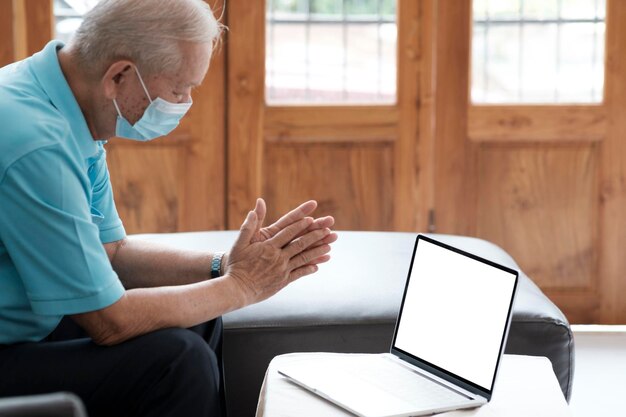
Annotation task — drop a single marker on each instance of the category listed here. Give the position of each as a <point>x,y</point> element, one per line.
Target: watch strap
<point>216,264</point>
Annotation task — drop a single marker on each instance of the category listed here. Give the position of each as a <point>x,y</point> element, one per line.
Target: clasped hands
<point>264,260</point>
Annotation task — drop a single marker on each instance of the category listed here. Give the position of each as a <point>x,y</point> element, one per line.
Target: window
<point>330,51</point>
<point>68,16</point>
<point>538,51</point>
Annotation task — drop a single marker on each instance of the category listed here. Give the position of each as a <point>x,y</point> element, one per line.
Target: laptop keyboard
<point>406,385</point>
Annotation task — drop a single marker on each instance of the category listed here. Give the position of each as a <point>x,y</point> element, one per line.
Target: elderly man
<point>128,72</point>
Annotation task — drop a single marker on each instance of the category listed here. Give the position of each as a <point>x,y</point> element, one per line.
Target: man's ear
<point>115,77</point>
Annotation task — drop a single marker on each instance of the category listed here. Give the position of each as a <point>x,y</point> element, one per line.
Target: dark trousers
<point>169,372</point>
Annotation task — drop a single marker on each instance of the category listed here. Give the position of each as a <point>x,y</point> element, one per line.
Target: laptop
<point>449,337</point>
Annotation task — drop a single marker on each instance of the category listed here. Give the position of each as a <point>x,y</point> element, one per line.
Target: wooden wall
<point>547,183</point>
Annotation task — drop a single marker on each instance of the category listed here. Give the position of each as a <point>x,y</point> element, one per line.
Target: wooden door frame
<point>245,82</point>
<point>7,46</point>
<point>25,28</point>
<point>454,159</point>
<point>612,186</point>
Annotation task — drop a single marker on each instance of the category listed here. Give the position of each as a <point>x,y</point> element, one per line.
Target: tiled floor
<point>600,374</point>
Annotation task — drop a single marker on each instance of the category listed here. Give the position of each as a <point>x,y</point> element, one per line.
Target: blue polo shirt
<point>56,204</point>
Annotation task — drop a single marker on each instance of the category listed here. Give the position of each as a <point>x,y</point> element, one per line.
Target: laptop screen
<point>455,312</point>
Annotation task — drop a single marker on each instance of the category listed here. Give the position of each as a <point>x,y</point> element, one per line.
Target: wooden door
<point>367,165</point>
<point>547,183</point>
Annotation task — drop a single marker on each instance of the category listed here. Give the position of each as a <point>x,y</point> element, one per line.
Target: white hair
<point>147,32</point>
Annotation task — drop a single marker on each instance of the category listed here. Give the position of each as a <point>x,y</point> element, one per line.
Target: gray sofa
<point>350,305</point>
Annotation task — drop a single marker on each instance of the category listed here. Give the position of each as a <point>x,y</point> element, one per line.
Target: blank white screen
<point>455,313</point>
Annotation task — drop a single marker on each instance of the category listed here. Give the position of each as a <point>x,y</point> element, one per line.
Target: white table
<point>526,386</point>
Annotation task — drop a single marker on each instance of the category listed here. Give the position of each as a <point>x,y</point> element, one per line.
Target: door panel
<point>535,202</point>
<point>352,182</point>
<point>543,182</point>
<point>367,165</point>
<point>148,203</point>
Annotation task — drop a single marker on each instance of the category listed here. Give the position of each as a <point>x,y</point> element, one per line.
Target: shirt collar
<point>47,70</point>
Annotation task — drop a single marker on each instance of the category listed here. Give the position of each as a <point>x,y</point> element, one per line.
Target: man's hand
<point>264,260</point>
<point>303,210</point>
<point>261,234</point>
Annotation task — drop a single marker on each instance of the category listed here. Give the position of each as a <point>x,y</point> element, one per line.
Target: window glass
<point>68,15</point>
<point>538,51</point>
<point>330,51</point>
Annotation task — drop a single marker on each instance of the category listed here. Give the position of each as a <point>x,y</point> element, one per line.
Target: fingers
<point>307,269</point>
<point>304,242</point>
<point>299,245</point>
<point>321,223</point>
<point>247,230</point>
<point>260,210</point>
<point>331,238</point>
<point>320,260</point>
<point>302,271</point>
<point>293,216</point>
<point>290,232</point>
<point>308,257</point>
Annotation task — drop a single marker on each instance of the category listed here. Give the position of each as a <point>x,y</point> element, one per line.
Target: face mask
<point>159,118</point>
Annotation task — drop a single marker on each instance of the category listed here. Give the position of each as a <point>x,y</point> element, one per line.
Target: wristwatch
<point>216,264</point>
